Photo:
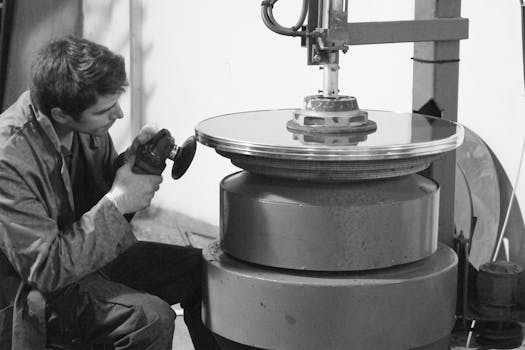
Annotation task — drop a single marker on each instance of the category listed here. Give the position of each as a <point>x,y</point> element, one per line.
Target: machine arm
<point>327,32</point>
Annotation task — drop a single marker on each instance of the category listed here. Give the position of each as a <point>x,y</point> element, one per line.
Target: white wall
<point>491,95</point>
<point>205,58</point>
<point>33,25</point>
<point>215,57</point>
<point>107,23</point>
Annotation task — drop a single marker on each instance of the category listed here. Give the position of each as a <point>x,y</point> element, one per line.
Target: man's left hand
<point>145,134</point>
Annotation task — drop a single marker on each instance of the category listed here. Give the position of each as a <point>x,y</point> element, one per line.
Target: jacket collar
<point>48,129</point>
<point>44,122</point>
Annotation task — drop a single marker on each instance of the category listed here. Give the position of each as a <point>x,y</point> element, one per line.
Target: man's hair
<point>72,72</point>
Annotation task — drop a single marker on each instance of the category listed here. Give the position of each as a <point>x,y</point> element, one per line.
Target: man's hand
<point>145,134</point>
<point>132,192</point>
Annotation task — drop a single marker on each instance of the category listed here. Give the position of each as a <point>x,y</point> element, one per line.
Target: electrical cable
<point>302,17</point>
<point>267,20</point>
<point>513,194</point>
<point>272,24</point>
<point>509,208</point>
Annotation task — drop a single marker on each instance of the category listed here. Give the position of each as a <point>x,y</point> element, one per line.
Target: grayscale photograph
<point>262,174</point>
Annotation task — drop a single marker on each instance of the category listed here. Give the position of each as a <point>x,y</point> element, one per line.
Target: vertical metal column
<point>136,81</point>
<point>436,71</point>
<point>331,68</point>
<point>6,15</point>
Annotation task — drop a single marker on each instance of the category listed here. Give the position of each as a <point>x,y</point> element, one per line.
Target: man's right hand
<point>132,192</point>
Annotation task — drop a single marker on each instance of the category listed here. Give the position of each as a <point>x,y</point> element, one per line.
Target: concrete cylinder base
<point>402,307</point>
<point>351,226</point>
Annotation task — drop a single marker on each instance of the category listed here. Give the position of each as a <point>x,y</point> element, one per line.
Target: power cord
<point>270,21</point>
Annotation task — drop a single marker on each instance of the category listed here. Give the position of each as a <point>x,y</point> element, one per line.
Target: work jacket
<point>42,248</point>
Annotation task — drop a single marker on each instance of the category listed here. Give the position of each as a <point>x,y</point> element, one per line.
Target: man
<point>72,274</point>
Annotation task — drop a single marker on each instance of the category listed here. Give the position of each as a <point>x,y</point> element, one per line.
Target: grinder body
<point>150,158</point>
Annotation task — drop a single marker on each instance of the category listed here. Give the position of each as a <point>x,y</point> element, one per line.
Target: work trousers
<point>126,305</point>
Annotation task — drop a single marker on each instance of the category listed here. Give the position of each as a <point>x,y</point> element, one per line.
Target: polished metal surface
<point>477,194</point>
<point>331,80</point>
<point>264,134</point>
<point>483,191</point>
<point>397,308</point>
<point>329,227</point>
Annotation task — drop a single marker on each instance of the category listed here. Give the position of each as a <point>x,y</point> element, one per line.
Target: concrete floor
<point>181,338</point>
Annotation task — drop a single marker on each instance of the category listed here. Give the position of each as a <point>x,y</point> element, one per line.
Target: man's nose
<point>117,112</point>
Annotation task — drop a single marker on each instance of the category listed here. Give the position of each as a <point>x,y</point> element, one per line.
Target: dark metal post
<point>436,71</point>
<point>6,14</point>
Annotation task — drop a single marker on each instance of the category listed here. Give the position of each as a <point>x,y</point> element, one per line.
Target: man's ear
<point>60,116</point>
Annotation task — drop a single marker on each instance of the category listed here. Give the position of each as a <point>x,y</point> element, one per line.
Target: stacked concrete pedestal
<point>345,263</point>
<point>330,266</point>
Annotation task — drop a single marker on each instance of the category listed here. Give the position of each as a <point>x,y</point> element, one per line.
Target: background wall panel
<point>35,23</point>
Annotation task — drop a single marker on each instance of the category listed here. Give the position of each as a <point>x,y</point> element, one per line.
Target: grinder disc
<point>261,142</point>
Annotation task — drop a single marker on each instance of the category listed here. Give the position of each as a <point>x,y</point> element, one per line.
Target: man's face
<point>97,119</point>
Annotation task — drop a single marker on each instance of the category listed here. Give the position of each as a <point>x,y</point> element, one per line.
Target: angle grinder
<point>150,158</point>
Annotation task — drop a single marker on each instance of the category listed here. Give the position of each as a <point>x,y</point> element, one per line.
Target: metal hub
<point>322,115</point>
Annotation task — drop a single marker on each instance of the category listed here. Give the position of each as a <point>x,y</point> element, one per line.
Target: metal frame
<point>6,18</point>
<point>400,31</point>
<point>436,75</point>
<point>436,31</point>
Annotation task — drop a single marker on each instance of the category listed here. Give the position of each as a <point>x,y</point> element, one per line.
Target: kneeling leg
<point>114,315</point>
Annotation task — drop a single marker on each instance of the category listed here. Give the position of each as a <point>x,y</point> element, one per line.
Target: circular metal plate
<point>396,308</point>
<point>264,134</point>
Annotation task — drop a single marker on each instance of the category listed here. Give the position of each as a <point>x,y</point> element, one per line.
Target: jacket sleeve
<point>45,257</point>
<point>113,162</point>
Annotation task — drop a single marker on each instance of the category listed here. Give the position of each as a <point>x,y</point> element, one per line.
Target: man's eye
<point>104,111</point>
